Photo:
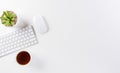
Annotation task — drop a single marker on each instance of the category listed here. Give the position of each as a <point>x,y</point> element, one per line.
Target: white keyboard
<point>16,40</point>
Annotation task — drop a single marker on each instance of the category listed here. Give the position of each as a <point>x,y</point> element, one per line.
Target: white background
<point>84,36</point>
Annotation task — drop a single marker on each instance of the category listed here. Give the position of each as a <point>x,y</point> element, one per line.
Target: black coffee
<point>23,58</point>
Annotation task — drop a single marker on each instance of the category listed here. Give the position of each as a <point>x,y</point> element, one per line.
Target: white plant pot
<point>19,24</point>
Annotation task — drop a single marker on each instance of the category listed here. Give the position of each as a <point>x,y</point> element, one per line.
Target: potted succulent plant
<point>8,18</point>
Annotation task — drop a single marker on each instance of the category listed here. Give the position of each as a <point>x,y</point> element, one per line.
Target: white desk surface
<point>84,36</point>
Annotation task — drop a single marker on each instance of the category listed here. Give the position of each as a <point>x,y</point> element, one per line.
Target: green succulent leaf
<point>7,19</point>
<point>5,13</point>
<point>3,22</point>
<point>12,23</point>
<point>12,18</point>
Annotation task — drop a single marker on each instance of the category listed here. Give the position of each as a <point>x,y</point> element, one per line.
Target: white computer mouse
<point>40,25</point>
